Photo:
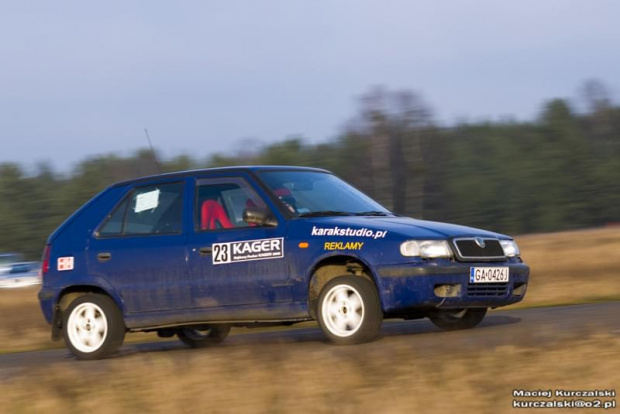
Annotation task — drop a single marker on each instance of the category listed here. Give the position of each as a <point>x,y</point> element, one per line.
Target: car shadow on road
<point>309,335</point>
<point>424,326</point>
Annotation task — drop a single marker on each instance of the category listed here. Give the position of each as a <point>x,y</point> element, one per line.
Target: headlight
<point>428,249</point>
<point>510,248</point>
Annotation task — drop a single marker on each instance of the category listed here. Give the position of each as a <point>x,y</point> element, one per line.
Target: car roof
<point>203,171</point>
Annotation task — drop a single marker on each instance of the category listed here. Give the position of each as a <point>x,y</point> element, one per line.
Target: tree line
<point>556,172</point>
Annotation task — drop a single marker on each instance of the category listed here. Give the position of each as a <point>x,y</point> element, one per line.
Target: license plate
<point>488,275</point>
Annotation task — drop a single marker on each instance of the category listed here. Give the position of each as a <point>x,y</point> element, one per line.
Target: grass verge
<point>385,376</point>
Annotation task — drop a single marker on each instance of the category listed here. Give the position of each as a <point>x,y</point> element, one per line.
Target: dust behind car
<point>16,273</point>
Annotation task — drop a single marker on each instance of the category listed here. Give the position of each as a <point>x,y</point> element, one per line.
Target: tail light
<point>45,265</point>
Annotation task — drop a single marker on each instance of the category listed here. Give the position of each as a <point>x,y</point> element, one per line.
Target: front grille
<point>487,289</point>
<point>469,249</point>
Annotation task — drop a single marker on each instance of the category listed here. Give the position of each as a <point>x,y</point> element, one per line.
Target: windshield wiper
<point>372,213</point>
<point>325,213</point>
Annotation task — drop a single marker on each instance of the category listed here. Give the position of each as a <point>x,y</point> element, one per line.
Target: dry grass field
<point>302,377</point>
<point>572,267</point>
<point>22,325</point>
<point>568,267</point>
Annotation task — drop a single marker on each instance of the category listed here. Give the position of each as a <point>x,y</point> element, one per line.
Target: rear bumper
<point>47,301</point>
<point>418,286</point>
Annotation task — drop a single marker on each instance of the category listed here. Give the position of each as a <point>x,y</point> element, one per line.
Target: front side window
<point>156,209</point>
<point>221,202</point>
<point>308,193</point>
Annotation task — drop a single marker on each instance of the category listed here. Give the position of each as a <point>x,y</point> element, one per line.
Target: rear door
<point>232,263</point>
<point>140,248</point>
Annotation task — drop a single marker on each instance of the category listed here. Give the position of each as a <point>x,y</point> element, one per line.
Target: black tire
<point>455,319</point>
<point>335,315</point>
<point>203,336</point>
<point>97,336</point>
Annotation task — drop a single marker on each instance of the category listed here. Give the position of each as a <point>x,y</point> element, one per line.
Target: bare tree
<point>596,96</point>
<point>395,123</point>
<point>413,118</point>
<point>374,113</point>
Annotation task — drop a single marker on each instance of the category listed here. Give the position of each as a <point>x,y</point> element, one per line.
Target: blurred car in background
<point>15,272</point>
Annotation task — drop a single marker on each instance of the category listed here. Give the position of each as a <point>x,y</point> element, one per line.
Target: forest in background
<point>559,171</point>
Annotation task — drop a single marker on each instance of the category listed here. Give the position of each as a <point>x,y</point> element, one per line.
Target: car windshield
<point>310,193</point>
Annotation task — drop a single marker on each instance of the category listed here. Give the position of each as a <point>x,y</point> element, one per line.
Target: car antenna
<point>148,138</point>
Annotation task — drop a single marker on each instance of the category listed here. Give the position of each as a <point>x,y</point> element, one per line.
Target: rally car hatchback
<point>194,253</point>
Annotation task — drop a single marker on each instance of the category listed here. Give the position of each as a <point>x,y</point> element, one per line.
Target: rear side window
<point>156,209</point>
<point>114,225</point>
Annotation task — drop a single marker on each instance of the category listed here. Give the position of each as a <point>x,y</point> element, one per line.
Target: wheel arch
<point>70,293</point>
<point>332,266</point>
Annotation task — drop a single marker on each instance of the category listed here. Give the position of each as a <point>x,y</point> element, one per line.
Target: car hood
<point>405,226</point>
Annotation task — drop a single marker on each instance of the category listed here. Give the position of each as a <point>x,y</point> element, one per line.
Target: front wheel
<point>93,326</point>
<point>203,336</point>
<point>349,311</point>
<point>455,319</point>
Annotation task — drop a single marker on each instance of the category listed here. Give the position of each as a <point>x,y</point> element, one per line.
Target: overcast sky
<point>83,78</point>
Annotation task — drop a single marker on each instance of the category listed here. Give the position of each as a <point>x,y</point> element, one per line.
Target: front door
<point>232,263</point>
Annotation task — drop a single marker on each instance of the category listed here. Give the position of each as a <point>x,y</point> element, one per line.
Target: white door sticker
<point>147,201</point>
<point>65,263</point>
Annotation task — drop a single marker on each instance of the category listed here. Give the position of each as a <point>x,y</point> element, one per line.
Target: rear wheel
<point>203,336</point>
<point>455,319</point>
<point>349,311</point>
<point>93,326</point>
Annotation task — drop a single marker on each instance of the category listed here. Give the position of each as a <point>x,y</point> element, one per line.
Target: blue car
<point>195,253</point>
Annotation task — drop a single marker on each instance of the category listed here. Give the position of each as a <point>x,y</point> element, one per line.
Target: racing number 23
<point>220,253</point>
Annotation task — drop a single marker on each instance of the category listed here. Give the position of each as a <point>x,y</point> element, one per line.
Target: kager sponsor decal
<point>343,245</point>
<point>246,250</point>
<point>348,232</point>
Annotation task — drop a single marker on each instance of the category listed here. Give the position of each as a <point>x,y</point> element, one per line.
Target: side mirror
<point>253,215</point>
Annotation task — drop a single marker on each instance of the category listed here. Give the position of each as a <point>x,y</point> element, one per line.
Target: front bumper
<point>419,285</point>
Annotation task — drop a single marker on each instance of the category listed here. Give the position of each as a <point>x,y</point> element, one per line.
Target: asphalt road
<point>529,327</point>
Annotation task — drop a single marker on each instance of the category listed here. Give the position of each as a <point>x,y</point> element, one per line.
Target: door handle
<point>205,251</point>
<point>104,257</point>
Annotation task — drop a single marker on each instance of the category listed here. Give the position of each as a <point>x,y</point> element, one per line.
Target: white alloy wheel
<point>197,334</point>
<point>203,336</point>
<point>455,315</point>
<point>454,319</point>
<point>343,310</point>
<point>87,327</point>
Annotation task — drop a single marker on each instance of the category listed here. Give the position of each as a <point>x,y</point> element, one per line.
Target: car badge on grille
<point>480,242</point>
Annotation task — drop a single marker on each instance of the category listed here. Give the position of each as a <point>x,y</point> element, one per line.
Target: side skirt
<point>247,314</point>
